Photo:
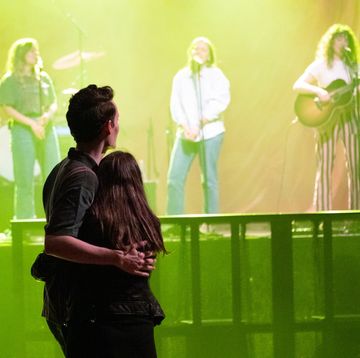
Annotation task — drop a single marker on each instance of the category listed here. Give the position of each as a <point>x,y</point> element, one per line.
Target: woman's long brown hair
<point>121,205</point>
<point>325,47</point>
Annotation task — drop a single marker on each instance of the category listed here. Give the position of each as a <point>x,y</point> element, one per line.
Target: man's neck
<point>96,151</point>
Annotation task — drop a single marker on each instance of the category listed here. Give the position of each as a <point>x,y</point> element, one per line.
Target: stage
<point>260,285</point>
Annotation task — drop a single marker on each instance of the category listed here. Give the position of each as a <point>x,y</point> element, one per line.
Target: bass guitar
<point>311,112</point>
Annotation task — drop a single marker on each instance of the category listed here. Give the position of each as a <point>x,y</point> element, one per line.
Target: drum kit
<point>75,59</point>
<point>71,60</point>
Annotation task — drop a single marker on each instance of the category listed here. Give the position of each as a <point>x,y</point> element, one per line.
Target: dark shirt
<point>27,94</point>
<point>68,192</point>
<point>106,292</point>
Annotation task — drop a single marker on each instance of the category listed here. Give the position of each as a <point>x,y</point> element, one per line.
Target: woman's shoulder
<point>9,84</point>
<point>8,77</point>
<point>183,72</point>
<point>214,69</point>
<point>215,73</point>
<point>318,63</point>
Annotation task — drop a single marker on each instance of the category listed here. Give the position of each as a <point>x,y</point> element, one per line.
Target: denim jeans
<point>26,148</point>
<point>182,156</point>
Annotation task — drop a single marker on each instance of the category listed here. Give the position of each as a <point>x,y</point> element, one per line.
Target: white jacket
<point>186,98</point>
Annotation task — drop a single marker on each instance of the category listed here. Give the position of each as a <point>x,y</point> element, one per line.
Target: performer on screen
<point>336,62</point>
<point>28,98</point>
<point>200,95</point>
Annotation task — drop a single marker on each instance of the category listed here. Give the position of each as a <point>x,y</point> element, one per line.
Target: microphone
<point>198,60</point>
<point>40,63</point>
<point>39,66</point>
<point>348,55</point>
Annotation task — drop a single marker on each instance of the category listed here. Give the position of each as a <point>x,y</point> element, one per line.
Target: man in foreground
<point>67,195</point>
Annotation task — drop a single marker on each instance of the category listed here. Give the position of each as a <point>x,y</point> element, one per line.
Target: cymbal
<point>70,90</point>
<point>74,59</point>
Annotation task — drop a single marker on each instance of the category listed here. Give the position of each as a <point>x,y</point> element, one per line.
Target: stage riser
<point>172,285</point>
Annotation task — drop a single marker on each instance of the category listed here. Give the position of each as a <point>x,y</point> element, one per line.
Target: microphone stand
<point>38,69</point>
<point>151,159</point>
<point>202,148</point>
<point>169,138</point>
<point>151,168</point>
<point>356,80</point>
<point>354,77</point>
<point>81,35</point>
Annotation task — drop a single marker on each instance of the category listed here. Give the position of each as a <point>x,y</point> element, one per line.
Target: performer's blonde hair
<point>212,54</point>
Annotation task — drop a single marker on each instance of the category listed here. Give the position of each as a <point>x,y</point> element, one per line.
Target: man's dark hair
<point>88,112</point>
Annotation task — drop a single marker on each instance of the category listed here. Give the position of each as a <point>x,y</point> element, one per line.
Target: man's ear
<point>108,127</point>
<point>105,131</point>
<point>111,123</point>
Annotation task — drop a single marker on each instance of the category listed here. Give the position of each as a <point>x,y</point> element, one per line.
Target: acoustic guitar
<point>311,112</point>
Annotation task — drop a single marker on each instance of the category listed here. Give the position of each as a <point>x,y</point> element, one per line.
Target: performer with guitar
<point>200,94</point>
<point>28,98</point>
<point>326,101</point>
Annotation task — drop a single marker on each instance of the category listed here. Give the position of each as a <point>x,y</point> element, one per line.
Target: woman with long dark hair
<point>113,313</point>
<point>336,64</point>
<point>28,96</point>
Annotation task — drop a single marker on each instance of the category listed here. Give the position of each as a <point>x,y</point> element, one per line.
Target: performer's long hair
<point>194,66</point>
<point>16,56</point>
<point>121,207</point>
<point>325,48</point>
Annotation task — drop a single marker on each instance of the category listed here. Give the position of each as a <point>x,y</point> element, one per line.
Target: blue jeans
<point>182,156</point>
<point>25,149</point>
